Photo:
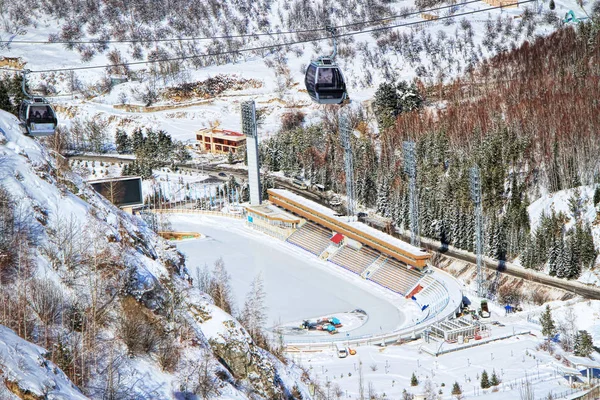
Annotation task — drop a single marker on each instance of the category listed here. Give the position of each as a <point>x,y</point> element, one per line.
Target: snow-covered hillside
<point>108,300</point>
<point>439,50</point>
<point>26,371</point>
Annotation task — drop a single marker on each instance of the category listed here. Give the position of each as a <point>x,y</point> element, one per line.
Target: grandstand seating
<point>433,291</point>
<point>311,237</point>
<point>395,276</point>
<point>354,260</point>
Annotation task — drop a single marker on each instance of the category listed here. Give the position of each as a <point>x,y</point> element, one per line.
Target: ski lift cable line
<point>267,47</point>
<point>247,35</point>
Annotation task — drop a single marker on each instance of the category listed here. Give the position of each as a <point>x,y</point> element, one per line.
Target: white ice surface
<point>297,284</point>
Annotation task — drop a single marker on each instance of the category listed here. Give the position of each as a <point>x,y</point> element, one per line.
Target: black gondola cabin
<point>38,117</point>
<point>324,82</point>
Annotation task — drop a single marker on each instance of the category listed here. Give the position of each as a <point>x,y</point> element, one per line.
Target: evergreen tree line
<point>566,251</point>
<point>152,149</point>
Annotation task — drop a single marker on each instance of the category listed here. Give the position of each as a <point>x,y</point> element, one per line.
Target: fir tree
<point>409,98</point>
<point>584,345</point>
<point>576,204</point>
<point>555,257</point>
<point>588,251</point>
<point>137,140</point>
<point>413,380</point>
<point>382,203</point>
<point>385,105</point>
<point>552,6</point>
<point>494,380</point>
<point>5,103</point>
<point>548,327</point>
<point>123,142</point>
<point>15,90</point>
<point>456,389</point>
<point>485,382</point>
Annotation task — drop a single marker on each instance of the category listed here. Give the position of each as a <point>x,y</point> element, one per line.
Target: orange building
<point>215,140</point>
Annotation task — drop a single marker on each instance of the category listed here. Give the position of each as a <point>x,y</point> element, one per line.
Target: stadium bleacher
<point>396,277</point>
<point>311,237</point>
<point>354,260</point>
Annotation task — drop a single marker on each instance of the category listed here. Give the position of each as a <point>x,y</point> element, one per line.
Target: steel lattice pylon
<point>476,197</point>
<point>410,167</point>
<point>345,133</point>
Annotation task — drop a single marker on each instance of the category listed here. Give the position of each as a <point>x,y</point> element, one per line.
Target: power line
<point>271,46</point>
<point>249,35</point>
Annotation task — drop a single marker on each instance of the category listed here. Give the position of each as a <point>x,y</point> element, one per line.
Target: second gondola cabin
<point>324,82</point>
<point>38,117</point>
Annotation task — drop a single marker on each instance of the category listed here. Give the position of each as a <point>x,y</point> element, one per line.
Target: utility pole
<point>345,134</point>
<point>410,168</point>
<point>476,197</point>
<point>250,130</point>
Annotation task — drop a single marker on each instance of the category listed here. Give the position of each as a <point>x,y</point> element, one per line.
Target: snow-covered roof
<point>583,361</point>
<point>352,225</point>
<point>387,238</point>
<point>272,213</point>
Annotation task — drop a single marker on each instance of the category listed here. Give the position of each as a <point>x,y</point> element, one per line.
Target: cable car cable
<point>249,35</point>
<point>271,46</point>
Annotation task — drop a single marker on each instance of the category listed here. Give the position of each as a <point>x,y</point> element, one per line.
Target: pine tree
<point>552,6</point>
<point>413,380</point>
<point>409,98</point>
<point>494,380</point>
<point>137,140</point>
<point>485,382</point>
<point>576,204</point>
<point>382,204</point>
<point>548,327</point>
<point>230,158</point>
<point>588,251</point>
<point>122,142</point>
<point>5,103</point>
<point>597,195</point>
<point>385,105</point>
<point>16,91</point>
<point>456,389</point>
<point>584,345</point>
<point>554,255</point>
<point>572,263</point>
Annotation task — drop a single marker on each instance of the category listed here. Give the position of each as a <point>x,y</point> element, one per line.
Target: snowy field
<point>298,286</point>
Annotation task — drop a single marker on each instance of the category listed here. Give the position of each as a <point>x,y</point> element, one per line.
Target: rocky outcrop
<point>246,361</point>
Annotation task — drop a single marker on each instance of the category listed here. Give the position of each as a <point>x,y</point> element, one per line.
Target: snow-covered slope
<point>26,371</point>
<point>438,50</point>
<point>96,285</point>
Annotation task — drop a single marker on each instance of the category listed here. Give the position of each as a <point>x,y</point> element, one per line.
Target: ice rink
<point>297,285</point>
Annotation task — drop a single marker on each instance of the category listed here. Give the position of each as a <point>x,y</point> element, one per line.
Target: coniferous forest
<point>528,118</point>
